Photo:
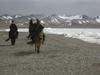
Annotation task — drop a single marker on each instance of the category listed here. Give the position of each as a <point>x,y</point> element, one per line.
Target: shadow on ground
<point>23,53</point>
<point>4,45</point>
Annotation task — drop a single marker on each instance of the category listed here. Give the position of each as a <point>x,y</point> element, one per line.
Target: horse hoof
<point>37,52</point>
<point>12,44</point>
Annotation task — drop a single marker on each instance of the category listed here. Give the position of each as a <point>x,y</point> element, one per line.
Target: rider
<point>30,27</point>
<point>13,28</point>
<point>35,29</point>
<point>38,27</point>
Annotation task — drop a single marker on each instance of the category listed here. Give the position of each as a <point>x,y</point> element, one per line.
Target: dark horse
<point>13,35</point>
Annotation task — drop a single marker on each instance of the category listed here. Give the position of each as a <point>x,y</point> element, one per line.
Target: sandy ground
<point>58,56</point>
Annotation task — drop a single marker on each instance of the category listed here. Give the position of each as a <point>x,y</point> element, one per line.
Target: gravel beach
<point>58,55</point>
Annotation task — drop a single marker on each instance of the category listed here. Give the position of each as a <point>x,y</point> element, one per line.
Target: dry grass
<point>1,33</point>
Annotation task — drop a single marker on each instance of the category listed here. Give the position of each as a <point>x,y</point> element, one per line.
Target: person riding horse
<point>13,29</point>
<point>34,29</point>
<point>30,27</point>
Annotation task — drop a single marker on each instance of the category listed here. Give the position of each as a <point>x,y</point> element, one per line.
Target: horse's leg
<point>35,47</point>
<point>43,38</point>
<point>12,41</point>
<point>28,36</point>
<point>17,34</point>
<point>38,50</point>
<point>33,40</point>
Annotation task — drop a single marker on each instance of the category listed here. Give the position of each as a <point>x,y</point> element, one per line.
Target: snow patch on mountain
<point>70,17</point>
<point>16,16</point>
<point>80,22</point>
<point>98,19</point>
<point>54,20</point>
<point>6,17</point>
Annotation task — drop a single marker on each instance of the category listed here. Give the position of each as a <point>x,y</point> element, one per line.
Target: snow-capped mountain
<point>70,20</point>
<point>53,20</point>
<point>19,19</point>
<point>60,20</point>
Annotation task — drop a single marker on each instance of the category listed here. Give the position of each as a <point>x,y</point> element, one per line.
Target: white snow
<point>19,24</point>
<point>84,21</point>
<point>80,22</point>
<point>54,20</point>
<point>89,35</point>
<point>70,17</point>
<point>17,16</point>
<point>42,21</point>
<point>87,21</point>
<point>6,17</point>
<point>98,19</point>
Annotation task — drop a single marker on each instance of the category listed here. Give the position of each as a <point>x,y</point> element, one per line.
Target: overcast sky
<point>49,7</point>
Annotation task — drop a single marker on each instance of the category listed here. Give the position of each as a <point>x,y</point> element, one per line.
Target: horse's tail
<point>12,35</point>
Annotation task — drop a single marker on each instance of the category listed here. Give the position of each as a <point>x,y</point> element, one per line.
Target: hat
<point>12,21</point>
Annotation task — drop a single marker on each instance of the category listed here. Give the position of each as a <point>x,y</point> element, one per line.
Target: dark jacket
<point>13,27</point>
<point>36,27</point>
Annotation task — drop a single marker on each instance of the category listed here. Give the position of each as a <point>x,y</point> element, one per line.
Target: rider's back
<point>13,27</point>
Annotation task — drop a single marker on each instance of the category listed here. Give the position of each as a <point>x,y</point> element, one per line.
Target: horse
<point>36,34</point>
<point>13,36</point>
<point>38,41</point>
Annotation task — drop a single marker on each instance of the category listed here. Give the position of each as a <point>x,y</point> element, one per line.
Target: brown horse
<point>36,34</point>
<point>38,41</point>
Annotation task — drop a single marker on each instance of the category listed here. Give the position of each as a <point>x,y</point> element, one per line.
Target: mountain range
<point>54,19</point>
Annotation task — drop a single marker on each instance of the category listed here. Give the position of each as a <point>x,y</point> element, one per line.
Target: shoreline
<point>89,35</point>
<point>77,26</point>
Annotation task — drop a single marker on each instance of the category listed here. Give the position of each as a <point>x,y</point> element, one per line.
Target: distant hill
<point>70,20</point>
<point>53,20</point>
<point>19,19</point>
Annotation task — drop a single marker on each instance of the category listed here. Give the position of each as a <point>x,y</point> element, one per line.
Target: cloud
<point>50,6</point>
